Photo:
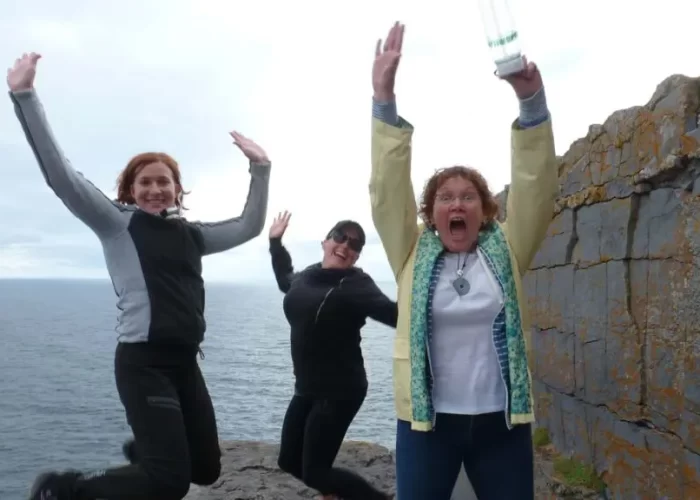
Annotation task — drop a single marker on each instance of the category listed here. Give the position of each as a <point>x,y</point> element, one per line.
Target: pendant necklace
<point>460,283</point>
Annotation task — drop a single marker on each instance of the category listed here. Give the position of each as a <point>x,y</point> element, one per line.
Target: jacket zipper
<point>318,311</point>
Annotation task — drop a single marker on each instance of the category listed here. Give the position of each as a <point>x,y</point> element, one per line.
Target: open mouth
<point>340,255</point>
<point>458,227</point>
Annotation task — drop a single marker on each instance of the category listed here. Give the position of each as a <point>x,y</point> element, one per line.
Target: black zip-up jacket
<point>326,309</point>
<point>154,261</point>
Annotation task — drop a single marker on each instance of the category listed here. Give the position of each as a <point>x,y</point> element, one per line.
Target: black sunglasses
<point>353,243</point>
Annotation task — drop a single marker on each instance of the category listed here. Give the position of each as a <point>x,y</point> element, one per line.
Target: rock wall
<point>615,296</point>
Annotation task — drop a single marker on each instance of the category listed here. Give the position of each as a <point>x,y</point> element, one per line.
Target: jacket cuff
<point>385,112</point>
<point>275,243</point>
<point>533,110</point>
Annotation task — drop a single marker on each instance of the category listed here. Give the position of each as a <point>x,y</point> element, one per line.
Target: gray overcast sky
<point>120,78</point>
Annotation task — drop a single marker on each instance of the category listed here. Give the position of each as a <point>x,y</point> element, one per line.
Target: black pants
<point>312,433</point>
<point>171,415</point>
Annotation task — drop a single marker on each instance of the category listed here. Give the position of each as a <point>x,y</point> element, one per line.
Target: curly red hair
<point>427,201</point>
<point>127,177</point>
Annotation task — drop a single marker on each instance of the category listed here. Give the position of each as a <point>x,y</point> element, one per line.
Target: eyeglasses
<point>447,199</point>
<point>353,243</point>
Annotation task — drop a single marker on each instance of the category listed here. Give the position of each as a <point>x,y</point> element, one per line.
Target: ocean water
<point>59,407</point>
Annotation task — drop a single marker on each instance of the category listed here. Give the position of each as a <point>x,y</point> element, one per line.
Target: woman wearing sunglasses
<point>326,305</point>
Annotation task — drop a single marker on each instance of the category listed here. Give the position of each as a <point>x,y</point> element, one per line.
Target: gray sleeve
<point>105,217</point>
<point>533,110</point>
<point>385,111</point>
<point>230,233</point>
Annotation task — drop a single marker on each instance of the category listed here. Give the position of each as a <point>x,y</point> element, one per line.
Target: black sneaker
<point>54,486</point>
<point>129,451</point>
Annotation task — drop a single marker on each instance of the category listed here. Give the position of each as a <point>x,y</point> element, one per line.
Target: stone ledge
<point>249,472</point>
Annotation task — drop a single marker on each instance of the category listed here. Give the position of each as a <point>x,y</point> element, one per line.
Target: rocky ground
<point>250,473</point>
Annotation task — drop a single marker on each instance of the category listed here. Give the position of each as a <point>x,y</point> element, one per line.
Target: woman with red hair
<point>154,258</point>
<point>461,379</point>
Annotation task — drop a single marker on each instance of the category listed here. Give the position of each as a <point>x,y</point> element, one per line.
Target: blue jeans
<point>499,462</point>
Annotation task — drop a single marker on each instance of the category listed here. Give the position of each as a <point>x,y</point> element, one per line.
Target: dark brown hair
<point>427,201</point>
<point>127,177</point>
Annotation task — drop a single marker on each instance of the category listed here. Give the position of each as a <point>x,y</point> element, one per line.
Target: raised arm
<point>230,233</point>
<point>394,211</point>
<point>281,260</point>
<point>104,216</point>
<point>534,178</point>
<point>374,303</point>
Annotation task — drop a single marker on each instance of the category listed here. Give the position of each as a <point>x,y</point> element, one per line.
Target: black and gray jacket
<point>326,309</point>
<point>155,262</point>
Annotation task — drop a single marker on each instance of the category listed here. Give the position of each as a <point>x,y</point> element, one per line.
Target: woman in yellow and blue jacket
<point>462,385</point>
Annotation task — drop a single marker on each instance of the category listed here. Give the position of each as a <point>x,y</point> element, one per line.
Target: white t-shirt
<point>467,375</point>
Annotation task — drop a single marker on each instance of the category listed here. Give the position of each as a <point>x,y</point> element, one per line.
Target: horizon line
<point>108,280</point>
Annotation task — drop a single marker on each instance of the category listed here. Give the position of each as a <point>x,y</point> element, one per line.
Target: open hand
<point>21,75</point>
<point>279,225</point>
<point>386,63</point>
<point>253,152</point>
<point>527,82</point>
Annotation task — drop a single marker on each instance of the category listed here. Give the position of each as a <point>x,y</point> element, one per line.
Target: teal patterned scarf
<point>492,243</point>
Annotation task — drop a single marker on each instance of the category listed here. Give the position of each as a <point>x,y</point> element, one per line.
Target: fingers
<point>236,134</point>
<point>32,57</point>
<point>395,38</point>
<point>238,138</point>
<point>528,73</point>
<point>393,41</point>
<point>399,43</point>
<point>531,69</point>
<point>389,42</point>
<point>282,219</point>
